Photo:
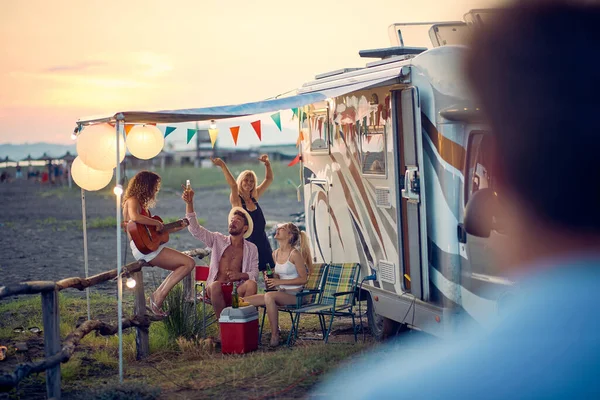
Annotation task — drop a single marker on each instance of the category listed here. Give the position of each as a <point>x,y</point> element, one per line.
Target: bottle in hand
<point>235,298</point>
<point>270,275</point>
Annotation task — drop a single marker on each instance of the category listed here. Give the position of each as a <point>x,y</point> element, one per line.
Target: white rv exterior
<point>387,172</point>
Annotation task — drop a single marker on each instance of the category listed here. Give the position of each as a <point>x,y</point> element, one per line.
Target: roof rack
<point>391,51</point>
<point>336,72</point>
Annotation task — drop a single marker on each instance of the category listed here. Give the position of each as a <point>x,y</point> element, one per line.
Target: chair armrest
<point>306,292</point>
<point>338,294</point>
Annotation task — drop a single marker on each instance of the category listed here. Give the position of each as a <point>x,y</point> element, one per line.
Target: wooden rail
<point>51,320</point>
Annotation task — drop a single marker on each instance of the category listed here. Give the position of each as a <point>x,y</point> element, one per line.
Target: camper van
<point>398,176</point>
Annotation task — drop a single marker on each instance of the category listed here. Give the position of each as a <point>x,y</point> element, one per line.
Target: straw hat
<point>248,217</point>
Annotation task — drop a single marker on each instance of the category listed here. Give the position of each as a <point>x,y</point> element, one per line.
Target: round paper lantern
<point>88,178</point>
<point>97,147</point>
<point>145,141</point>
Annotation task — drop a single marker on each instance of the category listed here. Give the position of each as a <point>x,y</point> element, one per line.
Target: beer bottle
<point>235,299</point>
<point>269,271</point>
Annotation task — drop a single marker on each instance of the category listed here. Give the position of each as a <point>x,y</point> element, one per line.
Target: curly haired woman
<point>139,197</point>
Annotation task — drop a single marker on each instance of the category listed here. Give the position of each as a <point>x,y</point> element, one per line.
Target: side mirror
<point>481,213</point>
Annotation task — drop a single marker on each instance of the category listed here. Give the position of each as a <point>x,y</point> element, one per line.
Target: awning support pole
<point>120,279</point>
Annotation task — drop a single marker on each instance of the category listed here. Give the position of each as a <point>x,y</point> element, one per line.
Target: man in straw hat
<point>233,259</point>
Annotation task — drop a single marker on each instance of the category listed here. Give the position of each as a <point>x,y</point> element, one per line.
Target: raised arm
<point>234,197</point>
<point>197,231</point>
<point>268,175</point>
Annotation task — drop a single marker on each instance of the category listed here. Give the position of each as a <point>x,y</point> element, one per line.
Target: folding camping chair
<point>200,277</point>
<point>308,296</point>
<point>336,299</point>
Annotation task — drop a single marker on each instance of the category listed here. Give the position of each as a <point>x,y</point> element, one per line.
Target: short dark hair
<point>535,69</point>
<point>241,214</point>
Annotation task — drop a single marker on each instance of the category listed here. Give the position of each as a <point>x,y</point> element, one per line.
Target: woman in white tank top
<point>292,267</point>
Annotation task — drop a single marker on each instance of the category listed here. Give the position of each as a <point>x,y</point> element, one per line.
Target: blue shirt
<point>547,345</point>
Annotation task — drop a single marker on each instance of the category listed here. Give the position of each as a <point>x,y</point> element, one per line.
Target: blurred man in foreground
<point>535,71</point>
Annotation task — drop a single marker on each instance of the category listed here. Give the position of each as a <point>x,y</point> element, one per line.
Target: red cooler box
<point>239,330</point>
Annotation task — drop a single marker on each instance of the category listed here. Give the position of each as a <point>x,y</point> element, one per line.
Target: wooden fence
<point>55,355</point>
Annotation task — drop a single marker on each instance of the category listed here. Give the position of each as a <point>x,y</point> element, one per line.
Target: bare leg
<point>216,297</point>
<point>256,300</point>
<point>272,301</point>
<point>247,288</point>
<point>172,260</point>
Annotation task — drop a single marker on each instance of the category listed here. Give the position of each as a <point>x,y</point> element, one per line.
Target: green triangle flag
<point>295,111</point>
<point>169,130</point>
<point>277,118</point>
<point>191,133</point>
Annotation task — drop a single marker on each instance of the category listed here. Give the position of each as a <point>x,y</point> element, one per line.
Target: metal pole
<point>85,250</point>
<point>120,279</point>
<point>197,159</point>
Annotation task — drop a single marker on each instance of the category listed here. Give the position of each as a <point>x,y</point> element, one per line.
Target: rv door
<point>412,219</point>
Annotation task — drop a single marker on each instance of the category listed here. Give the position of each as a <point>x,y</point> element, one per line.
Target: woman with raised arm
<point>139,197</point>
<point>245,194</point>
<point>292,267</point>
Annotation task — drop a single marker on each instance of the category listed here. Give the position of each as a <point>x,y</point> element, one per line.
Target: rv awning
<point>231,111</point>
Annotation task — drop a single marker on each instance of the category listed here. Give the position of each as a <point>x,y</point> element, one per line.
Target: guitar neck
<point>177,224</point>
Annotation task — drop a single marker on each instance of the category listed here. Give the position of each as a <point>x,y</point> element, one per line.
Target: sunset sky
<point>66,59</point>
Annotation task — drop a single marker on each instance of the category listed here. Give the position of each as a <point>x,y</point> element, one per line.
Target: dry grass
<point>178,367</point>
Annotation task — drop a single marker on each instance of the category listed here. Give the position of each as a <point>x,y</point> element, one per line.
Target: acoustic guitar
<point>147,239</point>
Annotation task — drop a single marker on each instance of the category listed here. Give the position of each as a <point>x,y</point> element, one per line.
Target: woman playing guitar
<point>139,197</point>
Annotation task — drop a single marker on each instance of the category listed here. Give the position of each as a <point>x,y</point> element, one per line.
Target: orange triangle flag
<point>256,126</point>
<point>300,139</point>
<point>128,128</point>
<point>235,130</point>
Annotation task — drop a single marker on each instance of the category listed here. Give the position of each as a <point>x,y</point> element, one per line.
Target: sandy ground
<point>41,236</point>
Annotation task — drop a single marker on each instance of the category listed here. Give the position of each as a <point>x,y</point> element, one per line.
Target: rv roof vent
<point>336,72</point>
<point>391,51</point>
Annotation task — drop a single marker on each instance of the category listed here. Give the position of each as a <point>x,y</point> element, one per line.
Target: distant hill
<point>20,151</point>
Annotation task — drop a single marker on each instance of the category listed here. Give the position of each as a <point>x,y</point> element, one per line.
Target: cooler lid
<point>241,313</point>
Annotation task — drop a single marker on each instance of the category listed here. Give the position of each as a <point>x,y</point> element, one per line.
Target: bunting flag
<point>169,130</point>
<point>190,134</point>
<point>235,130</point>
<point>294,113</point>
<point>128,128</point>
<point>300,138</point>
<point>256,126</point>
<point>294,161</point>
<point>277,119</point>
<point>213,136</point>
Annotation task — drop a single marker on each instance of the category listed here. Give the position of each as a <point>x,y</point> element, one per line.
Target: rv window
<point>480,163</point>
<point>319,131</point>
<point>373,149</point>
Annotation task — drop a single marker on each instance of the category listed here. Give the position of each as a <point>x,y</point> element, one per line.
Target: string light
<point>130,283</point>
<point>118,190</point>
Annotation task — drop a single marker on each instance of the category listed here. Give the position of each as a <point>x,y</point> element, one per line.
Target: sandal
<point>274,343</point>
<point>155,309</point>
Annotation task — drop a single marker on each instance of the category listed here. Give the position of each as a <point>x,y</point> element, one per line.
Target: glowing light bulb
<point>73,136</point>
<point>213,124</point>
<point>130,283</point>
<point>118,190</point>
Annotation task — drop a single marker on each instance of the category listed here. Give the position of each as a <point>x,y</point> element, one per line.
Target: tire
<point>382,328</point>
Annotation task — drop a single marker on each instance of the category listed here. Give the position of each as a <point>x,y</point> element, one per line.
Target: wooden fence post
<point>51,321</point>
<point>142,341</point>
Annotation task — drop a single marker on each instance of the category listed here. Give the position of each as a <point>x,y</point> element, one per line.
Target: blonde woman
<point>245,193</point>
<point>139,197</point>
<point>292,268</point>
